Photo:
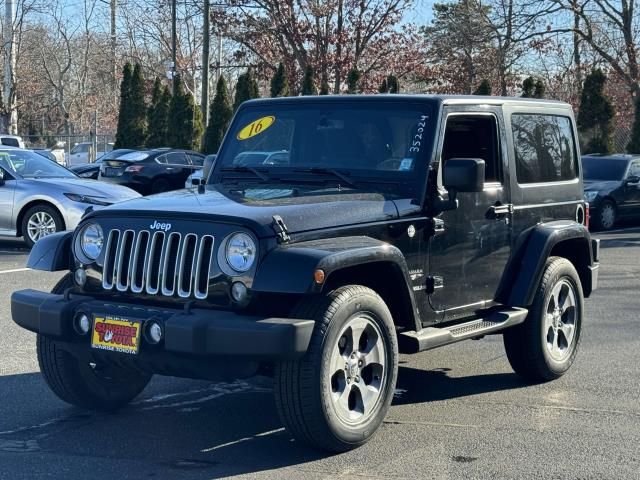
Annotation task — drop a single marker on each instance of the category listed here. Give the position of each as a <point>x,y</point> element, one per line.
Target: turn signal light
<point>319,276</point>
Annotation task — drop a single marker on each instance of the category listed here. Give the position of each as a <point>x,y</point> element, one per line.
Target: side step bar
<point>433,337</point>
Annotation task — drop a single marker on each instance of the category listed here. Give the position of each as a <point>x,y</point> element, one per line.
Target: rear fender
<point>566,239</point>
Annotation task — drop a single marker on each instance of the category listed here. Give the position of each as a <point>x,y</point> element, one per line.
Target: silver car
<point>39,197</point>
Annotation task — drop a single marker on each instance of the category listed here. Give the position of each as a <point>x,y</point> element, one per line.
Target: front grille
<point>158,263</point>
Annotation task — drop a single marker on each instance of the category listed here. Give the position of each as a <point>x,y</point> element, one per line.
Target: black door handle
<point>499,211</point>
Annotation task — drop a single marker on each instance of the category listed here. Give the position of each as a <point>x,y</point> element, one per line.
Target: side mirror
<point>463,175</point>
<point>207,166</point>
<point>632,180</point>
<point>1,176</point>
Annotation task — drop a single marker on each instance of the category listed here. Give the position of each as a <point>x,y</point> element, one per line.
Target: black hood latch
<point>281,229</point>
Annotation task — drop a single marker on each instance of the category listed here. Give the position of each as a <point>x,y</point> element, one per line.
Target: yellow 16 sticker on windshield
<point>256,127</point>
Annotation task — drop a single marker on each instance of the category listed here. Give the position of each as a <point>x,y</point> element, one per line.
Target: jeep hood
<point>302,209</point>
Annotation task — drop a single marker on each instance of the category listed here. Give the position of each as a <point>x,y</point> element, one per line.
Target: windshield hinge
<point>281,229</point>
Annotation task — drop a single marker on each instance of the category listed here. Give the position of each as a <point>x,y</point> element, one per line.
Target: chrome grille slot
<point>170,264</point>
<point>203,267</point>
<point>158,263</point>
<point>109,270</point>
<point>154,262</point>
<point>187,265</point>
<point>139,261</point>
<point>125,246</point>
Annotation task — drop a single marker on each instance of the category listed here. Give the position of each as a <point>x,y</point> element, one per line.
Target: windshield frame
<point>45,161</point>
<point>413,182</point>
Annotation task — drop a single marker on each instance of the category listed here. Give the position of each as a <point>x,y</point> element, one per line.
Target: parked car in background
<point>39,197</point>
<point>152,171</point>
<point>612,188</point>
<point>92,170</point>
<point>46,154</point>
<point>11,141</point>
<point>196,178</point>
<point>81,153</point>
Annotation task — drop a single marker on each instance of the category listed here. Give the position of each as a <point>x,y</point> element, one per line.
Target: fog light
<point>154,332</point>
<point>239,292</point>
<point>82,323</point>
<point>80,276</point>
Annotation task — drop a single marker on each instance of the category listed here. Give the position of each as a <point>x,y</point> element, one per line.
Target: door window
<point>197,160</point>
<point>634,170</point>
<point>544,148</point>
<point>474,136</point>
<point>176,158</point>
<point>10,142</point>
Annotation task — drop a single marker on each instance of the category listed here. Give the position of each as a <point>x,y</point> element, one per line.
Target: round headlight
<point>91,241</point>
<point>241,252</point>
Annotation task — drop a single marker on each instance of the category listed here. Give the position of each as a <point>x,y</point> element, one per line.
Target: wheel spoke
<point>369,396</point>
<point>375,355</point>
<point>338,360</point>
<point>568,331</point>
<point>341,397</point>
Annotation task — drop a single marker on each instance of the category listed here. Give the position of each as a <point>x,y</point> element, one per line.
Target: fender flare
<point>333,255</point>
<point>52,253</point>
<point>532,249</point>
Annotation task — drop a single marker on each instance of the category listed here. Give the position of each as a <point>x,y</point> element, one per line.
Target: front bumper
<point>196,333</point>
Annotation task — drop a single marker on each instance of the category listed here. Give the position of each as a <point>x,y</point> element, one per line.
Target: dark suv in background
<point>152,171</point>
<point>612,188</point>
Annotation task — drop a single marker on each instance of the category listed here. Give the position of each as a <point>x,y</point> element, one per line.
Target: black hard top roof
<point>441,99</point>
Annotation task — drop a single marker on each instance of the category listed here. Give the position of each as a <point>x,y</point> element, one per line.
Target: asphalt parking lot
<point>459,411</point>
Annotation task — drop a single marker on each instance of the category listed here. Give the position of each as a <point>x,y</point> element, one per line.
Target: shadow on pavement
<point>187,428</point>
<point>422,386</point>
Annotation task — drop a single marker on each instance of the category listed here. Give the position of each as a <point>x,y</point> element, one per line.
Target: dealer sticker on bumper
<point>115,334</point>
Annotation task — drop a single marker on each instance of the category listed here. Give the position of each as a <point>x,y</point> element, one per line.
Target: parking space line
<point>15,270</point>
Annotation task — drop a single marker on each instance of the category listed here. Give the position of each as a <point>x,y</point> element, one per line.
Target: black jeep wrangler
<point>332,234</point>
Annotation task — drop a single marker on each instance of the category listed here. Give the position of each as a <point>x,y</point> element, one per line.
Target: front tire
<point>607,215</point>
<point>39,221</point>
<point>82,384</point>
<point>337,395</point>
<point>545,346</point>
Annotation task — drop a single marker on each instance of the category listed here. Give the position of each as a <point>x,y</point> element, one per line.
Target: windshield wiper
<point>244,168</point>
<point>331,171</point>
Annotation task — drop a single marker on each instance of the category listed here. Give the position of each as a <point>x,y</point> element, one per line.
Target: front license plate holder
<point>116,334</point>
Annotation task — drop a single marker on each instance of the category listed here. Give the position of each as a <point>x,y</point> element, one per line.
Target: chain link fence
<point>72,149</point>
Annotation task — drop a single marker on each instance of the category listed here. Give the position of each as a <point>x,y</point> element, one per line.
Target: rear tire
<point>81,384</point>
<point>337,395</point>
<point>545,346</point>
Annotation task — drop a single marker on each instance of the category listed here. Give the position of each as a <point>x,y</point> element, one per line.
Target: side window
<point>474,136</point>
<point>162,159</point>
<point>634,170</point>
<point>176,158</point>
<point>10,142</point>
<point>196,159</point>
<point>544,148</point>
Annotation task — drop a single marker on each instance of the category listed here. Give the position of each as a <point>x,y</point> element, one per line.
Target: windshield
<point>598,168</point>
<point>31,165</point>
<point>380,142</point>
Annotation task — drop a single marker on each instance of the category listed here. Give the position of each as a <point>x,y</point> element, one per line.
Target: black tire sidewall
<point>376,309</point>
<point>563,272</point>
<point>57,218</point>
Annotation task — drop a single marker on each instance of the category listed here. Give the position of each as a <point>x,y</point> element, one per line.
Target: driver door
<point>7,192</point>
<point>468,258</point>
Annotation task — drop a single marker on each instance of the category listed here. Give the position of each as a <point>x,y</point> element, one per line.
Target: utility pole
<point>9,67</point>
<point>204,103</point>
<point>173,42</point>
<point>114,72</point>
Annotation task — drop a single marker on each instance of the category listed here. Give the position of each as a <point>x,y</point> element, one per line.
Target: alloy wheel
<point>560,321</point>
<point>40,225</point>
<point>358,369</point>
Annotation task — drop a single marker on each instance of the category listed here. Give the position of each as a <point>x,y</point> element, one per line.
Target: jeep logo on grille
<point>165,227</point>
